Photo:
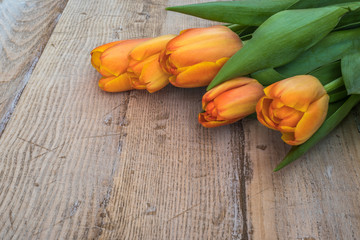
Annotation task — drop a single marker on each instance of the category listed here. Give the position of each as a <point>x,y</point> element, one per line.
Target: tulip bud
<point>295,106</point>
<point>111,60</point>
<point>195,56</point>
<point>230,102</point>
<point>144,68</point>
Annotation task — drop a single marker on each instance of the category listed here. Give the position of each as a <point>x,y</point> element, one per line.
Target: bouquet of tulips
<point>295,63</point>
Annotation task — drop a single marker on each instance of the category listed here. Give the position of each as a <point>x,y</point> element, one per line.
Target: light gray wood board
<point>25,28</point>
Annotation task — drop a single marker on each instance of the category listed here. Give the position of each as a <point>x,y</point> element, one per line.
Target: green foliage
<point>279,40</point>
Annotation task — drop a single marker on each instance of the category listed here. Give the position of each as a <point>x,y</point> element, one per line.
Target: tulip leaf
<point>350,67</point>
<point>330,123</point>
<point>329,49</point>
<point>237,28</point>
<point>327,72</point>
<point>279,40</point>
<point>350,20</point>
<point>318,3</point>
<point>247,12</point>
<point>267,76</point>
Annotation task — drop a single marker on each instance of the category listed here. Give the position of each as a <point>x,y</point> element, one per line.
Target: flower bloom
<point>230,101</point>
<point>144,68</point>
<point>195,56</point>
<point>111,60</point>
<point>296,107</point>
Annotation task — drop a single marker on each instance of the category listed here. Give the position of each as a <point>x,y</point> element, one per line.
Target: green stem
<point>338,96</point>
<point>238,29</point>
<point>339,82</point>
<point>329,124</point>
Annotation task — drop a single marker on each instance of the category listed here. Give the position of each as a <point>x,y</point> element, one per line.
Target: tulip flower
<point>230,102</point>
<point>195,56</point>
<point>144,68</point>
<point>296,107</point>
<point>111,60</point>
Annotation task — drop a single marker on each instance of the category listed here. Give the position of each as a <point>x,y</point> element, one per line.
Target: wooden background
<point>79,163</point>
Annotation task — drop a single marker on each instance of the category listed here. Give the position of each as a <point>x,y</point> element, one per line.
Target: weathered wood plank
<point>25,27</point>
<point>80,163</point>
<point>316,197</point>
<point>85,163</point>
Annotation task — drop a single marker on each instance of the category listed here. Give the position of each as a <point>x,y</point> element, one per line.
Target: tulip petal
<point>114,60</point>
<point>198,75</point>
<point>96,53</point>
<point>203,45</point>
<point>136,67</point>
<point>207,50</point>
<point>234,83</point>
<point>116,84</point>
<point>292,120</point>
<point>212,124</point>
<point>288,137</point>
<point>150,47</point>
<point>262,112</point>
<point>154,77</point>
<point>312,119</point>
<point>297,92</point>
<point>239,102</point>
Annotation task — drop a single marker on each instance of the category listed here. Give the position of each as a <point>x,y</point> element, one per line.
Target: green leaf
<point>330,123</point>
<point>350,67</point>
<point>279,40</point>
<point>318,3</point>
<point>327,72</point>
<point>247,12</point>
<point>330,49</point>
<point>267,76</point>
<point>350,20</point>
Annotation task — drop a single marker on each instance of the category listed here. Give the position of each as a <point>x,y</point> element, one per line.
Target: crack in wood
<point>183,212</point>
<point>239,159</point>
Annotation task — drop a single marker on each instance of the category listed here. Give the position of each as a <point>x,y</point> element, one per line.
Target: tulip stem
<point>337,83</point>
<point>338,96</point>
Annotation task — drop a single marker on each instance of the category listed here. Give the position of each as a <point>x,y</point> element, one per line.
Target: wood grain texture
<point>25,27</point>
<point>79,163</point>
<point>87,164</point>
<point>316,197</point>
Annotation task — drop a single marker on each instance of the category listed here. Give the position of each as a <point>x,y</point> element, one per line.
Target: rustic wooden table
<point>79,163</point>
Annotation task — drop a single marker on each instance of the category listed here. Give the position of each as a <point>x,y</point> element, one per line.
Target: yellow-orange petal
<point>115,60</point>
<point>262,111</point>
<point>136,67</point>
<point>150,47</point>
<point>297,92</point>
<point>206,51</point>
<point>216,91</point>
<point>292,120</point>
<point>153,77</point>
<point>116,84</point>
<point>239,102</point>
<point>199,75</point>
<point>195,35</point>
<point>96,53</point>
<point>214,123</point>
<point>312,119</point>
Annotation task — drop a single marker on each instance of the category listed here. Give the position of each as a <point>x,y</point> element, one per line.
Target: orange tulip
<point>111,60</point>
<point>144,68</point>
<point>195,56</point>
<point>230,101</point>
<point>296,107</point>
